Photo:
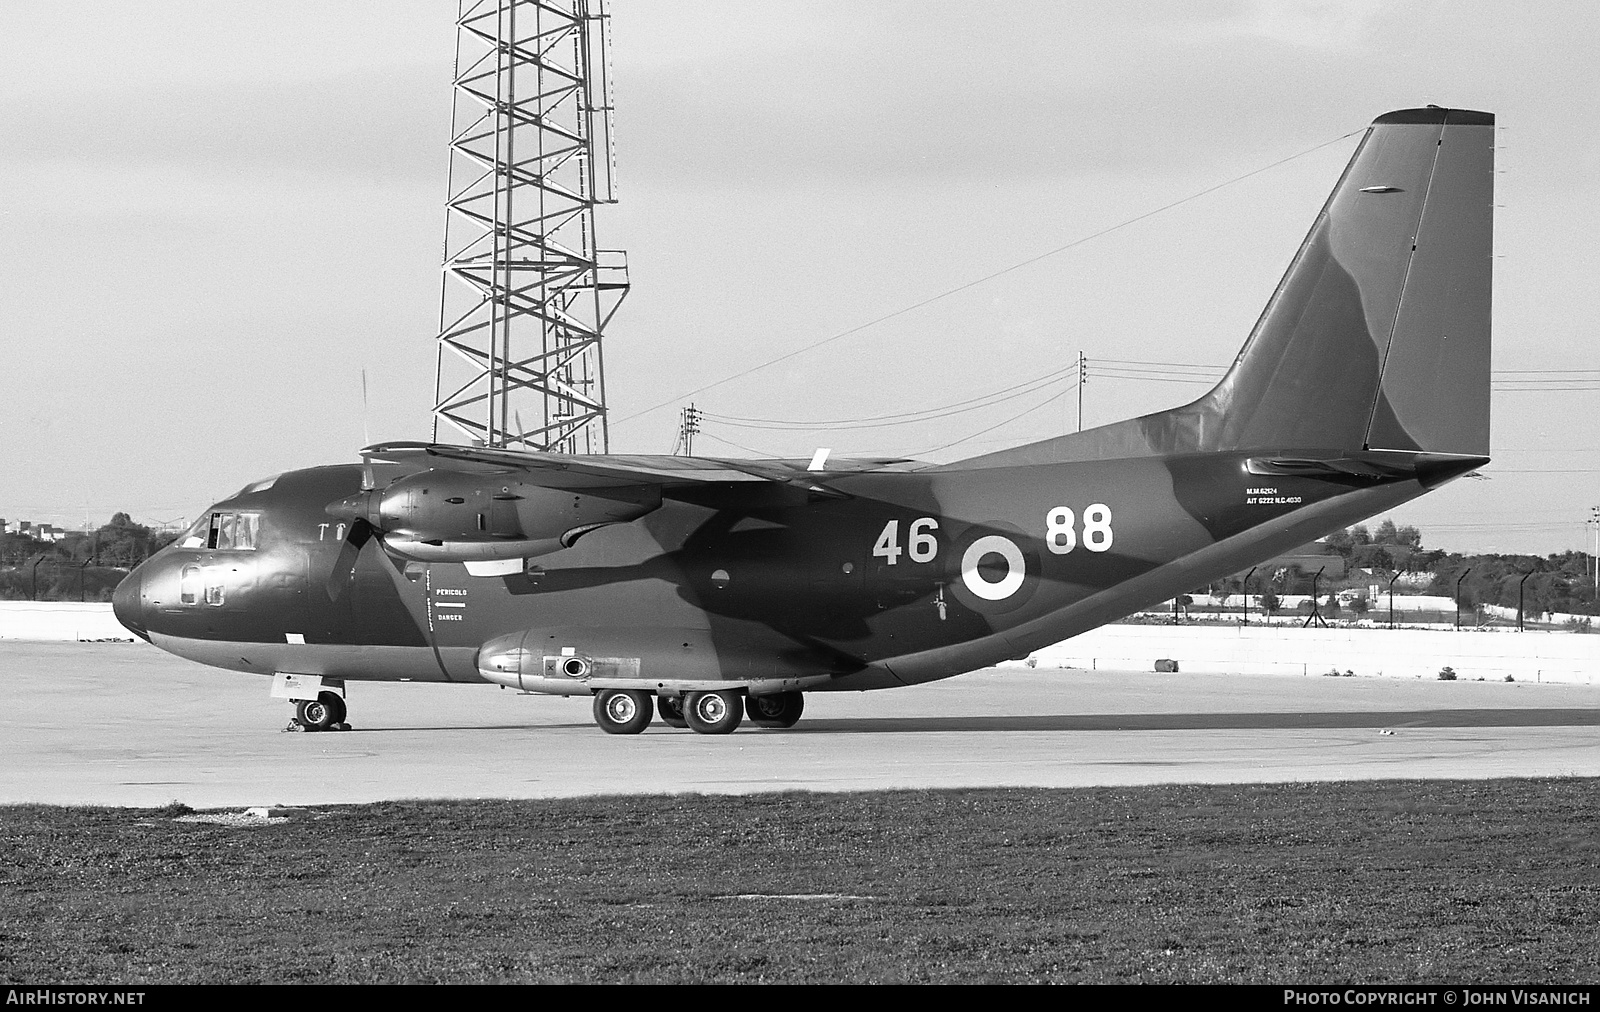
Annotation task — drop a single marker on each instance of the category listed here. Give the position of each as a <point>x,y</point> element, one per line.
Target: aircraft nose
<point>128,606</point>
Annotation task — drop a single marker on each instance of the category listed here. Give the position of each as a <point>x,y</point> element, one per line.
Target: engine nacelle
<point>456,516</point>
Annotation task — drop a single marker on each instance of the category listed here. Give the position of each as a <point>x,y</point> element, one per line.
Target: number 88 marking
<point>1060,537</point>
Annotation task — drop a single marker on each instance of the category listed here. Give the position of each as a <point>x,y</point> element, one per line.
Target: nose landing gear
<point>325,713</point>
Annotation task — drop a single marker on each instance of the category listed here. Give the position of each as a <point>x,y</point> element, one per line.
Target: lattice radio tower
<point>527,293</point>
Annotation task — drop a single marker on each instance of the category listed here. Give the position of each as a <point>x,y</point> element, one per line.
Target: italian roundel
<point>992,569</point>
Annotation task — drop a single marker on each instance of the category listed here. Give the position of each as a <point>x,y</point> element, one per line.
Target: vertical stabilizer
<point>1378,335</point>
<point>1435,389</point>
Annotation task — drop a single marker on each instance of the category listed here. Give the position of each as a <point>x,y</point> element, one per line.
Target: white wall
<point>1397,653</point>
<point>1254,649</point>
<point>59,620</point>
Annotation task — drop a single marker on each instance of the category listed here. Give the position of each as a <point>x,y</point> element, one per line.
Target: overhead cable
<point>983,280</point>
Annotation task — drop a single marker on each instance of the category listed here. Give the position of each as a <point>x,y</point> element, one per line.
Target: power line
<point>1008,421</point>
<point>900,418</point>
<point>983,280</point>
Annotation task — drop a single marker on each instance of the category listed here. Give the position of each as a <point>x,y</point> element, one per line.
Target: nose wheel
<point>325,713</point>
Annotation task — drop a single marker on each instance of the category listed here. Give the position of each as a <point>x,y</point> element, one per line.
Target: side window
<point>221,530</point>
<point>213,579</point>
<point>189,585</point>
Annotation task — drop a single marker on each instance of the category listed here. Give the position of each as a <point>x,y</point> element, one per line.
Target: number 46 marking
<point>921,546</point>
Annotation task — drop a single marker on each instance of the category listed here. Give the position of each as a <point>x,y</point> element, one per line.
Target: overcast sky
<point>213,216</point>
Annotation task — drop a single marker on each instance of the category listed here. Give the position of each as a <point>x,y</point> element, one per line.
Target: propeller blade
<point>344,564</point>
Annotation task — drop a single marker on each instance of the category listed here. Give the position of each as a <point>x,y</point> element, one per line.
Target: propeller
<point>344,564</point>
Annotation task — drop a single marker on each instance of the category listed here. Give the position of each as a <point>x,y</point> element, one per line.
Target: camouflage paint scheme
<point>1364,384</point>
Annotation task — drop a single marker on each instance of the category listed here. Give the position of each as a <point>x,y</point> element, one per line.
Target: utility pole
<point>1083,377</point>
<point>688,426</point>
<point>1594,525</point>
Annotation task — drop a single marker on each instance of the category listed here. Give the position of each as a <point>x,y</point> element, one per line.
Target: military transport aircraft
<point>730,587</point>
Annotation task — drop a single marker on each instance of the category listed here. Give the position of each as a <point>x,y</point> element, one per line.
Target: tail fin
<point>1378,335</point>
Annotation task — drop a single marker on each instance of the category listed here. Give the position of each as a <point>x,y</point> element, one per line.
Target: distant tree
<point>1410,537</point>
<point>1386,534</point>
<point>1359,535</point>
<point>124,543</point>
<point>1270,603</point>
<point>1340,542</point>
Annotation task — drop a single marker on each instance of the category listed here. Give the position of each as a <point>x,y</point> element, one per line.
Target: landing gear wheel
<point>315,714</point>
<point>335,702</point>
<point>622,711</point>
<point>781,709</point>
<point>671,710</point>
<point>713,712</point>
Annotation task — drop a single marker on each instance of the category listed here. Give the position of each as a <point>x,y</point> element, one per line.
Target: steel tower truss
<point>526,291</point>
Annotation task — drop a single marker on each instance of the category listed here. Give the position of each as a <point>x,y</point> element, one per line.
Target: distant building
<point>39,532</point>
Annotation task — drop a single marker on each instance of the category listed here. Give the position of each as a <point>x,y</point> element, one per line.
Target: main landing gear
<point>780,709</point>
<point>325,713</point>
<point>622,711</point>
<point>628,711</point>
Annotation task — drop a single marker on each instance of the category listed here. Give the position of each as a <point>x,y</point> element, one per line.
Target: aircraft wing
<point>559,470</point>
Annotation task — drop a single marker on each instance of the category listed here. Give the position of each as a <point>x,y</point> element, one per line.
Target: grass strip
<point>1463,881</point>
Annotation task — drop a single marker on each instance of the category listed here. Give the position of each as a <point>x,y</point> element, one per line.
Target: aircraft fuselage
<point>901,577</point>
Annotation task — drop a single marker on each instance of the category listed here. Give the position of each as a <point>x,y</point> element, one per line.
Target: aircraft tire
<point>335,702</point>
<point>314,714</point>
<point>780,709</point>
<point>622,711</point>
<point>713,712</point>
<point>670,710</point>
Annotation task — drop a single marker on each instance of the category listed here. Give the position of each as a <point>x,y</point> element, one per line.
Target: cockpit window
<point>234,531</point>
<point>195,536</point>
